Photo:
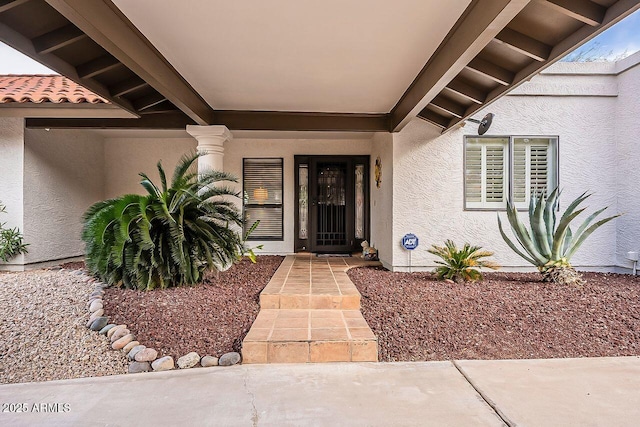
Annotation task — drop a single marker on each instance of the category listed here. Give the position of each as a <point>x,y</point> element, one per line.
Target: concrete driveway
<point>562,392</point>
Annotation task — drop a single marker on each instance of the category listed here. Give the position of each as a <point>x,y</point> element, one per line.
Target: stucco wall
<point>237,149</point>
<point>63,176</point>
<point>125,158</point>
<point>428,175</point>
<point>11,175</point>
<point>382,198</point>
<point>628,162</point>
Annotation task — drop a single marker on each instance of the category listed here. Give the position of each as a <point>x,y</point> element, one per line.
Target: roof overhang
<point>484,49</point>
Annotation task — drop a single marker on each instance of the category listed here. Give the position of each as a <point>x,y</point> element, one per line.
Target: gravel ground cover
<point>210,319</point>
<point>43,335</point>
<point>507,316</point>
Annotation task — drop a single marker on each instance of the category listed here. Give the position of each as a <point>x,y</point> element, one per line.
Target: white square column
<point>211,141</point>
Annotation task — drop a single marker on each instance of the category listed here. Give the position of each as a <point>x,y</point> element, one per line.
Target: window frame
<point>554,145</point>
<point>279,238</point>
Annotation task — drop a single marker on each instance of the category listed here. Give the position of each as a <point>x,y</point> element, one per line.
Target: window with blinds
<point>502,168</point>
<point>486,172</point>
<point>262,195</point>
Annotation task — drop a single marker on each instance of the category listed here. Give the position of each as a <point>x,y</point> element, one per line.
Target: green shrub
<point>169,237</point>
<point>461,265</point>
<point>11,240</point>
<point>547,246</point>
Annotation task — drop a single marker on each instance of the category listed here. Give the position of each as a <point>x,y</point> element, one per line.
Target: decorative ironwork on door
<point>331,206</point>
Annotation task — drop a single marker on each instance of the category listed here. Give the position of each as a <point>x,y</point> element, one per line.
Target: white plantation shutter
<point>533,168</point>
<point>497,168</point>
<point>262,184</point>
<point>486,172</point>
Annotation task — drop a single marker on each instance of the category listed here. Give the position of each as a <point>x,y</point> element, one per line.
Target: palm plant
<point>168,237</point>
<point>461,265</point>
<point>547,245</point>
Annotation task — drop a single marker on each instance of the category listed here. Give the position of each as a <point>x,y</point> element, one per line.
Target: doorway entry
<point>332,203</point>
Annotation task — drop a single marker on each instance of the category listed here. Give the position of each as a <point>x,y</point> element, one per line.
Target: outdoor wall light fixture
<point>260,194</point>
<point>484,124</point>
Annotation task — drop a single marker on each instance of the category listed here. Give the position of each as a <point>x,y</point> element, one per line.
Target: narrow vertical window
<point>262,184</point>
<point>303,201</point>
<point>359,201</point>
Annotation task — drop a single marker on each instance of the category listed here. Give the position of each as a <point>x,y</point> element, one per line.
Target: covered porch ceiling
<point>286,65</point>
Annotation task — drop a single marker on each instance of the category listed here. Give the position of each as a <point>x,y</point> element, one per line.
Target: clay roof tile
<point>45,88</point>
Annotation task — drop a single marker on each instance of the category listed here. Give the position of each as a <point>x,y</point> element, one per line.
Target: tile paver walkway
<point>310,312</point>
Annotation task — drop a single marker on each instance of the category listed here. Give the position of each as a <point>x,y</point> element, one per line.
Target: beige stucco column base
<point>211,141</point>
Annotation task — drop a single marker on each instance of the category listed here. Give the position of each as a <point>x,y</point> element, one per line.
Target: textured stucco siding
<point>237,149</point>
<point>63,176</point>
<point>428,176</point>
<point>628,165</point>
<point>125,158</point>
<point>11,176</point>
<point>382,198</point>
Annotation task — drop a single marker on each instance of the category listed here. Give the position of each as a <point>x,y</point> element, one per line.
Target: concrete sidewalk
<point>561,392</point>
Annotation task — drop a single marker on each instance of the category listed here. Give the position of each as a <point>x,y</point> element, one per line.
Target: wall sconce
<point>260,194</point>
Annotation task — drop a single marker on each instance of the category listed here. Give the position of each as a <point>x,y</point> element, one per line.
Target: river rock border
<point>140,357</point>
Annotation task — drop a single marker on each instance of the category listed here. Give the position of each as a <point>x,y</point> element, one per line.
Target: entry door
<point>334,218</point>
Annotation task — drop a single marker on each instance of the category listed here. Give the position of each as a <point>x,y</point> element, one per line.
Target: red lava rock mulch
<point>210,319</point>
<point>507,316</point>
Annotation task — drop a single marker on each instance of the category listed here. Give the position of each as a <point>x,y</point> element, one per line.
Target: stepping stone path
<point>310,312</point>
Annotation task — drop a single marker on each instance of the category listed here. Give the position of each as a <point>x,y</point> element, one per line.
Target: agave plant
<point>547,245</point>
<point>168,237</point>
<point>461,265</point>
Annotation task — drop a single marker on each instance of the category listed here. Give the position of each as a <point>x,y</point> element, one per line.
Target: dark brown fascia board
<point>176,120</point>
<point>234,120</point>
<point>103,22</point>
<point>301,121</point>
<point>57,39</point>
<point>615,13</point>
<point>25,46</point>
<point>479,24</point>
<point>582,10</point>
<point>524,44</point>
<point>98,66</point>
<point>10,4</point>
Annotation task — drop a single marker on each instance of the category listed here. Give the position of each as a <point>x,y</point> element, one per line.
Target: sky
<point>621,40</point>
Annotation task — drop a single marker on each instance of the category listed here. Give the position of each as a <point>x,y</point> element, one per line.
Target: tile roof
<point>45,88</point>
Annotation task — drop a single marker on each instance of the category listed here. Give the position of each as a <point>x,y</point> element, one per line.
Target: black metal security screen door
<point>332,203</point>
<point>330,207</point>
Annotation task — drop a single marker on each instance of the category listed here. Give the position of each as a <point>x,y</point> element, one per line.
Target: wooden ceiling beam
<point>128,86</point>
<point>105,24</point>
<point>448,105</point>
<point>469,92</point>
<point>524,44</point>
<point>98,66</point>
<point>176,120</point>
<point>615,13</point>
<point>148,101</point>
<point>479,24</point>
<point>22,44</point>
<point>434,118</point>
<point>301,121</point>
<point>492,71</point>
<point>57,39</point>
<point>582,10</point>
<point>6,5</point>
